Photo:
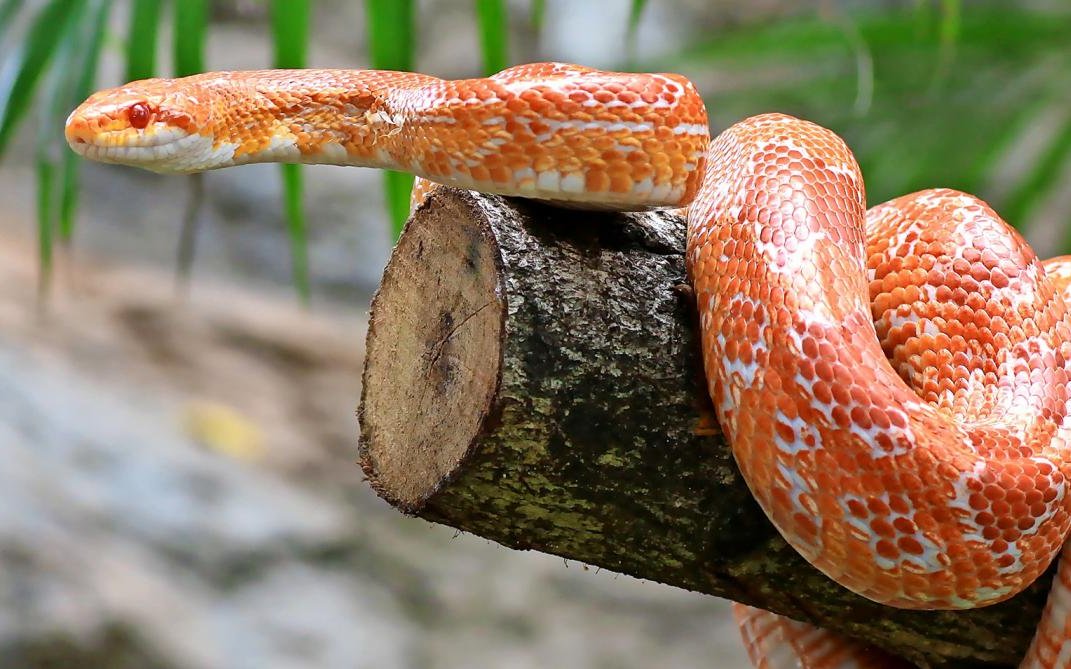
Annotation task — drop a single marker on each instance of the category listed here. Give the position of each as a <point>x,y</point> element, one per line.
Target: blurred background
<point>181,357</point>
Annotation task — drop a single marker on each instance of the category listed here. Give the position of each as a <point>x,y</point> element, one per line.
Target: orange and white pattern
<point>777,642</point>
<point>553,131</point>
<point>894,382</point>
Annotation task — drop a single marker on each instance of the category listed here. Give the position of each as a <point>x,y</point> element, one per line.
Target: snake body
<point>894,382</point>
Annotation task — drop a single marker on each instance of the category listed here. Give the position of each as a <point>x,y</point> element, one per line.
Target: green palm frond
<point>21,74</point>
<point>536,12</point>
<point>635,13</point>
<point>141,39</point>
<point>928,94</point>
<point>392,46</point>
<point>53,66</point>
<point>492,20</point>
<point>189,29</point>
<point>921,129</point>
<point>290,29</point>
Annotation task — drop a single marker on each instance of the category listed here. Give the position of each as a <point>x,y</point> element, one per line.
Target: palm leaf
<point>7,13</point>
<point>915,134</point>
<point>141,39</point>
<point>290,30</point>
<point>50,150</point>
<point>635,13</point>
<point>21,74</point>
<point>392,44</point>
<point>1042,178</point>
<point>188,37</point>
<point>536,13</point>
<point>188,44</point>
<point>492,19</point>
<point>90,43</point>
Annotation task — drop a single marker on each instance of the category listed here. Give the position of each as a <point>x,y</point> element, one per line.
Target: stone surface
<point>126,542</point>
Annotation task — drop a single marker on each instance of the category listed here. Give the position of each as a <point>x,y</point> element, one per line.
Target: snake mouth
<point>154,148</point>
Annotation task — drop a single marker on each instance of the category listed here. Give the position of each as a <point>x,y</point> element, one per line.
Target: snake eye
<point>138,114</point>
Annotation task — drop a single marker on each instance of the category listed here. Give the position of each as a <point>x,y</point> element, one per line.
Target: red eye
<point>138,115</point>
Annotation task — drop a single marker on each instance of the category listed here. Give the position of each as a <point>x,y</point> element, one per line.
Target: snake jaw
<point>142,124</point>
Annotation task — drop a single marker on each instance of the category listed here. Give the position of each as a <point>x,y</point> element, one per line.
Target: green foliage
<point>290,30</point>
<point>64,31</point>
<point>921,128</point>
<point>141,39</point>
<point>188,36</point>
<point>536,13</point>
<point>926,93</point>
<point>635,13</point>
<point>61,49</point>
<point>189,26</point>
<point>392,44</point>
<point>85,45</point>
<point>21,74</point>
<point>492,18</point>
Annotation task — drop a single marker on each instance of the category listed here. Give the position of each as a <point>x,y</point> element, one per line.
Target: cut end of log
<point>532,377</point>
<point>434,352</point>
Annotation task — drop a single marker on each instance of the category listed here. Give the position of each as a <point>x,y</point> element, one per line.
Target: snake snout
<point>147,124</point>
<point>77,131</point>
<point>146,134</point>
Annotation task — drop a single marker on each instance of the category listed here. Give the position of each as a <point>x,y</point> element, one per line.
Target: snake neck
<point>330,117</point>
<point>879,489</point>
<point>551,131</point>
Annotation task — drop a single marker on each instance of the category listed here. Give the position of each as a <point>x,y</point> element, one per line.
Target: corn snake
<point>844,348</point>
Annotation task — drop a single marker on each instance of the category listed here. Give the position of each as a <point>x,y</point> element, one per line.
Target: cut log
<point>533,377</point>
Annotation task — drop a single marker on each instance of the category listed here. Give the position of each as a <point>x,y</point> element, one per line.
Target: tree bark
<point>533,377</point>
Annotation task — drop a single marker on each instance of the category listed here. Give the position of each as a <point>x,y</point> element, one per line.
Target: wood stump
<point>533,377</point>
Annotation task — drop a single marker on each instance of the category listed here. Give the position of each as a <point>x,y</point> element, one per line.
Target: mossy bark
<point>533,376</point>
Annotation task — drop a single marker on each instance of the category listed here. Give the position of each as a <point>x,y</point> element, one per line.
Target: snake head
<point>150,124</point>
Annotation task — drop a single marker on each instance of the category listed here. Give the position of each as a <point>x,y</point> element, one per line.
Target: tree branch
<point>533,377</point>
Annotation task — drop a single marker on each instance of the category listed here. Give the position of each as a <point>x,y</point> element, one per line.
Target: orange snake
<point>894,382</point>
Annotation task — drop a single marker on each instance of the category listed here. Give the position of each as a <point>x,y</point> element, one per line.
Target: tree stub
<point>533,377</point>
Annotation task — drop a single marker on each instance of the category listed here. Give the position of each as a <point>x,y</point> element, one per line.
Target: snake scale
<point>894,382</point>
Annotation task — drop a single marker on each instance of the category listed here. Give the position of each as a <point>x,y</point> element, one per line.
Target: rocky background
<point>178,486</point>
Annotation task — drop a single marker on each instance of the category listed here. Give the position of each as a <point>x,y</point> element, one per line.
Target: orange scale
<point>1004,522</point>
<point>941,591</point>
<point>911,546</point>
<point>876,506</point>
<point>860,395</point>
<point>822,392</point>
<point>958,553</point>
<point>1017,497</point>
<point>779,497</point>
<point>596,181</point>
<point>978,502</point>
<point>860,417</point>
<point>500,174</point>
<point>589,155</point>
<point>1026,521</point>
<point>845,461</point>
<point>887,549</point>
<point>804,527</point>
<point>1011,534</point>
<point>517,106</point>
<point>905,525</point>
<point>663,173</point>
<point>981,559</point>
<point>897,503</point>
<point>517,162</point>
